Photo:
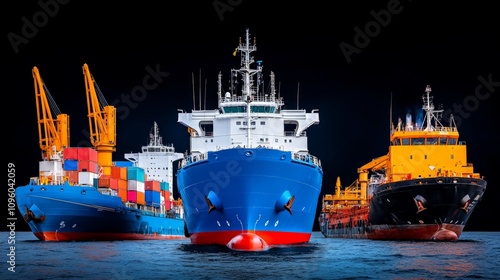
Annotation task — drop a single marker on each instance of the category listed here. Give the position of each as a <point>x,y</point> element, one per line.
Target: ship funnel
<point>408,119</point>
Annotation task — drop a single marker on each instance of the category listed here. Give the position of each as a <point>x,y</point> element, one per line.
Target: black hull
<point>418,209</point>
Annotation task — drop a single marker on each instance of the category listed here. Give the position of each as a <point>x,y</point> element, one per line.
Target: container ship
<point>249,181</point>
<point>422,189</point>
<point>80,194</point>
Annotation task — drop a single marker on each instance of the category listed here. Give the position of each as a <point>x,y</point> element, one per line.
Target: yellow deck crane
<point>357,192</point>
<point>53,134</point>
<point>102,122</point>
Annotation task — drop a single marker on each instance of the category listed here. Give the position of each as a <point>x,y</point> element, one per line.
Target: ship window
<point>442,141</point>
<point>432,141</point>
<point>406,141</point>
<point>425,156</point>
<point>452,156</point>
<point>396,142</point>
<point>234,109</point>
<point>252,123</point>
<point>411,157</point>
<point>276,140</point>
<point>417,141</point>
<point>262,123</point>
<point>238,123</point>
<point>452,141</point>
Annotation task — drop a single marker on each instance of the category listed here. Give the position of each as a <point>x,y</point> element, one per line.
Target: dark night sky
<point>451,46</point>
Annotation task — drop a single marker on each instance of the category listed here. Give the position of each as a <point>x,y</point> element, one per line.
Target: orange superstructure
<point>423,183</point>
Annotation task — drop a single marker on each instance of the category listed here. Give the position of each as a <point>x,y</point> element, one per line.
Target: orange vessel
<point>422,189</point>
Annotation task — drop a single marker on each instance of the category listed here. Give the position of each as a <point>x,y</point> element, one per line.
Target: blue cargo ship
<point>69,204</point>
<point>249,181</point>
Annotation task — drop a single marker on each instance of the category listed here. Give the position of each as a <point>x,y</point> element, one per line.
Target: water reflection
<point>442,259</point>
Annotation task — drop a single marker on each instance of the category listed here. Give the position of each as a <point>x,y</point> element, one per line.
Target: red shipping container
<point>119,172</point>
<point>152,185</point>
<point>72,176</point>
<point>87,154</point>
<point>106,181</point>
<point>87,165</point>
<point>70,153</point>
<point>168,205</point>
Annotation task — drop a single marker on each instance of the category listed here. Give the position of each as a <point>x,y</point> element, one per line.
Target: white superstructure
<point>248,116</point>
<point>156,159</point>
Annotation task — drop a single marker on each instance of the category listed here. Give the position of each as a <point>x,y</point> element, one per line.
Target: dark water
<point>475,256</point>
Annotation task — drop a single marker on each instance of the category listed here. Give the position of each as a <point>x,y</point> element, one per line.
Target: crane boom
<point>102,123</point>
<point>375,164</point>
<point>53,134</point>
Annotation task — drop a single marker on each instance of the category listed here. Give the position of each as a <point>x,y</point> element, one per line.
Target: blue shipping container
<point>164,186</point>
<point>135,173</point>
<point>70,165</point>
<point>152,198</point>
<point>125,163</point>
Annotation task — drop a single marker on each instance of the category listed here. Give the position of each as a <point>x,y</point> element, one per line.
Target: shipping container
<point>136,197</point>
<point>152,185</point>
<point>141,198</point>
<point>70,165</point>
<point>135,173</point>
<point>119,172</point>
<point>70,153</point>
<point>164,186</point>
<point>86,178</point>
<point>72,176</point>
<point>166,195</point>
<point>87,165</point>
<point>152,198</point>
<point>123,163</point>
<point>87,154</point>
<point>122,189</point>
<point>134,185</point>
<point>105,181</point>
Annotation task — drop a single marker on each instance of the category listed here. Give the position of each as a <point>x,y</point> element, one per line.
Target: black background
<point>448,45</point>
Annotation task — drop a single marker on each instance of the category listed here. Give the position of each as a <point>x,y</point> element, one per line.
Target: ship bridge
<point>249,114</point>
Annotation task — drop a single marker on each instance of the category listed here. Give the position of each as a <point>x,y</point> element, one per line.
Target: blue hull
<point>67,213</point>
<point>240,190</point>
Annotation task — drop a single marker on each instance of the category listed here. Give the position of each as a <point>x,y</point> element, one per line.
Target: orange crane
<point>53,134</point>
<point>102,122</point>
